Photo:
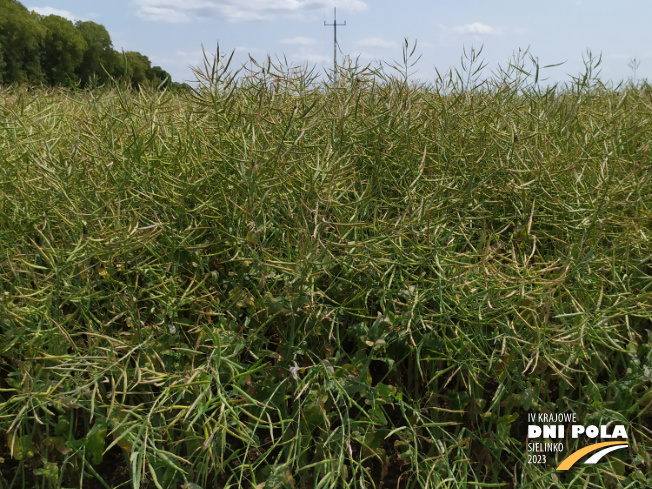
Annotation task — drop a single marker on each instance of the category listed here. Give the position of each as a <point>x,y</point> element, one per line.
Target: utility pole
<point>334,24</point>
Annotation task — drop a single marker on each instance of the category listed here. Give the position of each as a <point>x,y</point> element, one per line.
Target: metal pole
<point>334,24</point>
<point>334,39</point>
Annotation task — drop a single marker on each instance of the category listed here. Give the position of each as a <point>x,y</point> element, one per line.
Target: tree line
<point>38,49</point>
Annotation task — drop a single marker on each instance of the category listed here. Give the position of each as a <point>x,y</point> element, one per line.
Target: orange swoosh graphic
<point>568,462</point>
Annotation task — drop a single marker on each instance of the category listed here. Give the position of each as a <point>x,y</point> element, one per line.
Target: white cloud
<point>298,41</point>
<point>248,50</point>
<point>311,57</point>
<point>55,11</point>
<point>477,28</point>
<point>350,6</point>
<point>377,42</point>
<point>236,10</point>
<point>194,54</point>
<point>299,56</point>
<point>162,14</point>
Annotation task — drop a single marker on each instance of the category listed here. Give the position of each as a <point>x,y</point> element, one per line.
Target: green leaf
<point>95,442</point>
<point>386,393</point>
<point>378,416</point>
<point>20,447</point>
<point>62,428</point>
<point>50,471</point>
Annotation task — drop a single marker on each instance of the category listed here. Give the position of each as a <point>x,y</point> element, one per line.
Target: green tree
<point>36,48</point>
<point>137,68</point>
<point>158,76</point>
<point>63,50</point>
<point>21,38</point>
<point>100,59</point>
<point>2,65</point>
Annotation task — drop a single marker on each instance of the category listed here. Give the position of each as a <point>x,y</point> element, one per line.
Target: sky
<point>172,33</point>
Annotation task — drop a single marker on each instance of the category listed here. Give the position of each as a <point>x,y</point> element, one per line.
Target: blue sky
<point>171,32</point>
